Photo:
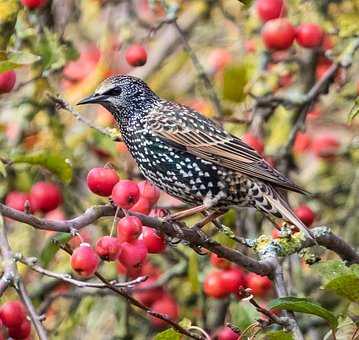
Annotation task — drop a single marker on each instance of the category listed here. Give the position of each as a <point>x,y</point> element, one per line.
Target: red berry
<point>213,285</point>
<point>129,228</point>
<point>143,206</point>
<point>219,262</point>
<point>84,260</point>
<point>22,331</point>
<point>219,59</point>
<point>17,200</point>
<point>102,180</point>
<point>32,4</point>
<point>45,196</point>
<point>154,241</point>
<point>225,333</point>
<point>255,142</point>
<point>309,35</point>
<point>7,81</point>
<point>302,142</point>
<point>260,285</point>
<point>147,296</point>
<point>165,305</point>
<point>79,69</point>
<point>325,146</point>
<point>278,34</point>
<point>136,55</point>
<point>133,254</point>
<point>149,191</point>
<point>12,313</point>
<point>232,279</point>
<point>107,247</point>
<point>270,9</point>
<point>305,214</point>
<point>125,194</point>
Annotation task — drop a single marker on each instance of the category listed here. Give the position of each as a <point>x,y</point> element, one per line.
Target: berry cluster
<point>279,34</point>
<point>226,279</point>
<point>14,321</point>
<point>43,197</point>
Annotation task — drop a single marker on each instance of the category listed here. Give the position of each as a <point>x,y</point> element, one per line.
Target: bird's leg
<point>208,218</point>
<point>185,213</point>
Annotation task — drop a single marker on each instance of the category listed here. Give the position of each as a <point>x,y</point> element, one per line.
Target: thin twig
<point>200,70</point>
<point>63,104</point>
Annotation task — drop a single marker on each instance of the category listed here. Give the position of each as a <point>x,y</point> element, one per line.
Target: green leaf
<point>303,305</point>
<point>243,314</point>
<point>56,163</point>
<point>247,3</point>
<point>17,59</point>
<point>22,58</point>
<point>354,110</point>
<point>52,246</point>
<point>340,279</point>
<point>235,78</point>
<point>193,273</point>
<point>3,169</point>
<point>279,335</point>
<point>168,334</point>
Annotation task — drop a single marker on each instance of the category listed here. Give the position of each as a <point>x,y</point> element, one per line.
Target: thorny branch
<point>263,267</point>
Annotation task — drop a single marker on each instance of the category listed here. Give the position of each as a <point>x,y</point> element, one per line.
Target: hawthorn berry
<point>213,285</point>
<point>309,35</point>
<point>108,248</point>
<point>325,146</point>
<point>125,194</point>
<point>129,228</point>
<point>260,285</point>
<point>270,9</point>
<point>225,333</point>
<point>12,313</point>
<point>232,279</point>
<point>22,331</point>
<point>84,260</point>
<point>165,305</point>
<point>278,34</point>
<point>7,81</point>
<point>148,296</point>
<point>253,141</point>
<point>219,59</point>
<point>305,214</point>
<point>149,191</point>
<point>17,200</point>
<point>133,254</point>
<point>102,180</point>
<point>302,142</point>
<point>142,206</point>
<point>219,262</point>
<point>45,196</point>
<point>32,4</point>
<point>154,241</point>
<point>136,55</point>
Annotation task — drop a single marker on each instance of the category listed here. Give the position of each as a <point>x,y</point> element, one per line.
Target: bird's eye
<point>115,91</point>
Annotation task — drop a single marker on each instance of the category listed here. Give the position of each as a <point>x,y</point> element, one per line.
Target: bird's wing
<point>187,130</point>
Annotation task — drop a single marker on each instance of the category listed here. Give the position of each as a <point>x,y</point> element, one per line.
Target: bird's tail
<point>282,206</point>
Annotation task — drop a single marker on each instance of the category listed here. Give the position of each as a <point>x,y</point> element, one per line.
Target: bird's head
<point>123,96</point>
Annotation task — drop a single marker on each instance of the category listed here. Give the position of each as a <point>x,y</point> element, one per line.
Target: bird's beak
<point>94,98</point>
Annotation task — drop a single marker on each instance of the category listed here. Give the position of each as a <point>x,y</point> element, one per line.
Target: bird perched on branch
<point>189,156</point>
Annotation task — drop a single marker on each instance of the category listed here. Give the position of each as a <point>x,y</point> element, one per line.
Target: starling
<point>191,157</point>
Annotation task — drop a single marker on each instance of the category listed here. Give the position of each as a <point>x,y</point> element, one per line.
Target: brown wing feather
<point>211,143</point>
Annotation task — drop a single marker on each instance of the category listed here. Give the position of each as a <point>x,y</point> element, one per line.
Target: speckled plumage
<point>189,156</point>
